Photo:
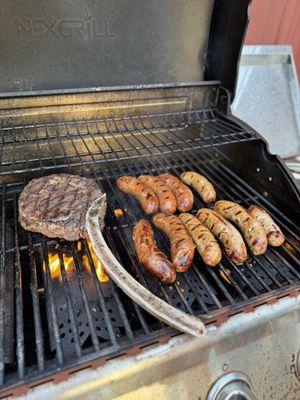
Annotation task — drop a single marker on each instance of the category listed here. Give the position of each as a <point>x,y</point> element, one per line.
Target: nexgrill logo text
<point>43,28</point>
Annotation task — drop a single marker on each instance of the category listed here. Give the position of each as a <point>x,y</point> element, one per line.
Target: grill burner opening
<point>66,311</point>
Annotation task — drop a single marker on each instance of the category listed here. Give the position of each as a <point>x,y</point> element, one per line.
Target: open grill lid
<point>93,45</point>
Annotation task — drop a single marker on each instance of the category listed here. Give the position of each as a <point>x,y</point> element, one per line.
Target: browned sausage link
<point>144,194</point>
<point>204,240</point>
<point>226,233</point>
<point>184,196</point>
<point>252,230</point>
<point>273,232</point>
<point>166,198</point>
<point>149,255</point>
<point>202,186</point>
<point>182,246</point>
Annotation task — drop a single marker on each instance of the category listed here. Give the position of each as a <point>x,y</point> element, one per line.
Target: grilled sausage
<point>182,246</point>
<point>149,255</point>
<point>204,240</point>
<point>202,186</point>
<point>144,194</point>
<point>227,234</point>
<point>252,230</point>
<point>166,198</point>
<point>274,235</point>
<point>184,196</point>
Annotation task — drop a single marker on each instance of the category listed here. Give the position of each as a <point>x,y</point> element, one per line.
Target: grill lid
<point>88,45</point>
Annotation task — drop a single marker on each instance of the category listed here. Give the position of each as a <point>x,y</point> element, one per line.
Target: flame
<point>289,248</point>
<point>99,267</point>
<point>223,276</point>
<point>118,212</point>
<point>54,263</point>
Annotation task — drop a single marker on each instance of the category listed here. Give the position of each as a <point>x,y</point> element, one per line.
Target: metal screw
<point>270,178</point>
<point>224,367</point>
<point>258,169</point>
<point>292,369</point>
<point>265,194</point>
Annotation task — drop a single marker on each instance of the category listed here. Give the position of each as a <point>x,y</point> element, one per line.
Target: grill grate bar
<point>78,268</point>
<point>122,312</point>
<point>2,267</point>
<point>53,321</point>
<point>243,276</point>
<point>100,294</point>
<point>39,149</point>
<point>36,307</point>
<point>19,300</point>
<point>221,286</point>
<point>69,302</point>
<point>50,151</point>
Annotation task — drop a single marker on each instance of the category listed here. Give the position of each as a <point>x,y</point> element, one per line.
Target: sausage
<point>204,240</point>
<point>184,196</point>
<point>182,246</point>
<point>227,234</point>
<point>274,235</point>
<point>144,194</point>
<point>202,186</point>
<point>149,255</point>
<point>166,198</point>
<point>251,229</point>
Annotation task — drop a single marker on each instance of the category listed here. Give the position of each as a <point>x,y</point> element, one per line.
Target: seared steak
<point>56,205</point>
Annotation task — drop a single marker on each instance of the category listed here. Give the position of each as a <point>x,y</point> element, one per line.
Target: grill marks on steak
<point>56,205</point>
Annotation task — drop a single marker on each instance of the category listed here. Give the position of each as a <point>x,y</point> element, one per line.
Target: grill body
<point>66,320</point>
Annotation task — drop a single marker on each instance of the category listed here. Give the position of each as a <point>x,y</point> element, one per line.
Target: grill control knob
<point>232,386</point>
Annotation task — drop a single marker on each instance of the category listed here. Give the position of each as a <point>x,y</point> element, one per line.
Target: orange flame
<point>118,212</point>
<point>54,263</point>
<point>223,276</point>
<point>99,267</point>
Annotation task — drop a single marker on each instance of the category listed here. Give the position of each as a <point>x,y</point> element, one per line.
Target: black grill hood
<point>107,44</point>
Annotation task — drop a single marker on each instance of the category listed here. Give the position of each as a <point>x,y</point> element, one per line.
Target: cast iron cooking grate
<point>70,319</point>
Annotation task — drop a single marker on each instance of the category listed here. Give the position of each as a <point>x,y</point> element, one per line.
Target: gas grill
<point>59,312</point>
